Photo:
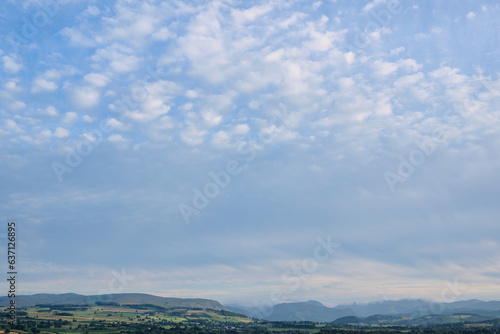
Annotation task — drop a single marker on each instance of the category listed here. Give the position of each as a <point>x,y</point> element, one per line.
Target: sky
<point>252,152</point>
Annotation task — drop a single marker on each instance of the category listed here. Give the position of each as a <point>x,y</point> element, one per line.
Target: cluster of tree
<point>18,313</point>
<point>63,314</point>
<point>294,324</point>
<point>424,330</point>
<point>64,307</point>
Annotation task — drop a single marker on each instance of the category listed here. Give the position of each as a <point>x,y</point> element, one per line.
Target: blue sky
<point>213,148</point>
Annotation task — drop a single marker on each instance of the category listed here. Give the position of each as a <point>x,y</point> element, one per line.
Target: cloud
<point>321,40</point>
<point>11,125</point>
<point>384,68</point>
<point>152,100</point>
<point>77,38</point>
<point>225,139</point>
<point>242,17</point>
<point>41,85</point>
<point>211,117</point>
<point>397,51</point>
<point>448,76</point>
<point>85,97</point>
<point>115,124</point>
<point>50,110</point>
<point>120,58</point>
<point>116,138</point>
<point>192,135</point>
<point>70,117</point>
<point>167,93</point>
<point>292,20</point>
<point>61,132</point>
<point>12,64</point>
<point>373,4</point>
<point>97,79</point>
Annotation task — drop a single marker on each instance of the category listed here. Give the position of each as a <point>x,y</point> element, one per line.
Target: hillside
<point>376,313</point>
<point>120,298</point>
<point>301,311</point>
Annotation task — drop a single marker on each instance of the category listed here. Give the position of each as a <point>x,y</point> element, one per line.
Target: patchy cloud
<point>277,124</point>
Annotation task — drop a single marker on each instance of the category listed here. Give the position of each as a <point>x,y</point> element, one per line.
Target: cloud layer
<point>203,147</point>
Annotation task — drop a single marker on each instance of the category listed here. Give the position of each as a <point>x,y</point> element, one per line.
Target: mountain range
<point>120,298</point>
<point>402,312</point>
<point>317,312</point>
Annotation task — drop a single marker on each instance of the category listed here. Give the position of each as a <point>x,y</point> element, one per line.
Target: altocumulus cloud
<point>376,124</point>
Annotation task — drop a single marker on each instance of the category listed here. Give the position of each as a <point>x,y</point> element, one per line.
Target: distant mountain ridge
<point>395,312</point>
<point>300,311</point>
<point>413,309</point>
<point>428,320</point>
<point>120,298</point>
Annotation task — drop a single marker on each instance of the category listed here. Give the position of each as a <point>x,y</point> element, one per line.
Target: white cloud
<point>85,97</point>
<point>373,4</point>
<point>292,20</point>
<point>242,17</point>
<point>162,34</point>
<point>70,117</point>
<point>116,138</point>
<point>46,133</point>
<point>383,69</point>
<point>61,133</point>
<point>437,30</point>
<point>97,79</point>
<point>221,139</point>
<point>192,94</point>
<point>153,101</point>
<point>241,129</point>
<point>192,135</point>
<point>397,51</point>
<point>224,139</point>
<point>115,124</point>
<point>448,76</point>
<point>320,38</point>
<point>350,57</point>
<point>211,117</point>
<point>383,108</point>
<point>11,125</point>
<point>138,27</point>
<point>12,64</point>
<point>93,10</point>
<point>349,116</point>
<point>408,80</point>
<point>17,105</point>
<point>77,38</point>
<point>40,85</point>
<point>410,64</point>
<point>51,111</point>
<point>12,86</point>
<point>471,15</point>
<point>120,58</point>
